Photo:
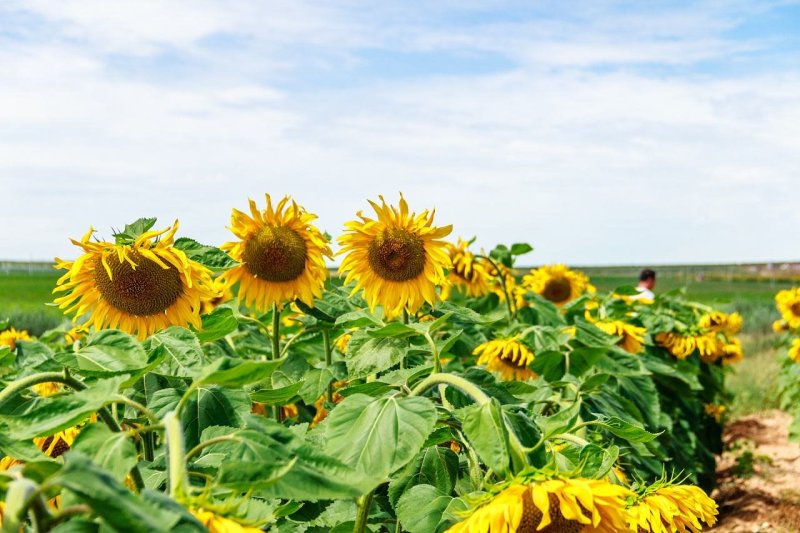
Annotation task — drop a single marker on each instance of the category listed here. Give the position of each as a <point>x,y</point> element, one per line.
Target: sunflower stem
<point>150,415</point>
<point>437,364</point>
<point>326,342</point>
<point>511,311</point>
<point>206,443</point>
<point>467,387</point>
<point>177,456</point>
<point>276,347</point>
<point>363,504</point>
<point>405,321</point>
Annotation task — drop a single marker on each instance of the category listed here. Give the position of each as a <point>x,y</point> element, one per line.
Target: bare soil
<point>759,476</point>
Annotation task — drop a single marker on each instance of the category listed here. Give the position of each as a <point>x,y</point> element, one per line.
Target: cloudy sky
<point>600,132</point>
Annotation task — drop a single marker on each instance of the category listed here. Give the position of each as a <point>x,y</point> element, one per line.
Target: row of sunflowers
<point>427,388</point>
<point>788,326</point>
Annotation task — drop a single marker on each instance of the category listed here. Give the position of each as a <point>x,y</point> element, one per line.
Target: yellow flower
<point>319,404</point>
<point>54,446</point>
<point>631,337</point>
<point>290,411</point>
<point>552,506</point>
<point>732,352</point>
<point>342,341</point>
<point>398,259</point>
<point>10,337</point>
<point>139,288</point>
<point>216,523</point>
<point>281,255</point>
<point>47,389</point>
<point>788,304</point>
<point>77,333</point>
<point>794,351</point>
<point>715,411</point>
<point>468,273</point>
<point>718,321</point>
<point>508,357</point>
<point>708,346</point>
<point>557,283</point>
<point>221,293</point>
<point>780,326</point>
<point>673,508</point>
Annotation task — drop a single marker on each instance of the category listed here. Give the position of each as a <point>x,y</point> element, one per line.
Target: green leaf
<point>279,396</point>
<point>110,352</point>
<point>208,256</point>
<point>367,355</point>
<point>521,248</point>
<point>486,430</point>
<point>358,319</point>
<point>113,452</point>
<point>315,384</point>
<point>420,509</point>
<point>626,430</point>
<point>393,329</point>
<point>549,365</point>
<point>134,230</point>
<point>110,499</point>
<point>434,465</point>
<point>217,324</point>
<point>178,350</point>
<point>48,415</point>
<point>376,436</point>
<point>561,422</point>
<point>23,450</point>
<point>597,461</point>
<point>230,372</point>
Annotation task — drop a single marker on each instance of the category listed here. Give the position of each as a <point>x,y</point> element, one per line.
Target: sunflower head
<point>557,283</point>
<point>672,508</point>
<point>794,351</point>
<point>507,357</point>
<point>468,273</point>
<point>221,293</point>
<point>342,341</point>
<point>551,506</point>
<point>398,258</point>
<point>780,326</point>
<point>788,304</point>
<point>714,411</point>
<point>720,322</point>
<point>217,522</point>
<point>10,337</point>
<point>139,285</point>
<point>631,338</point>
<point>281,255</point>
<point>708,345</point>
<point>732,352</point>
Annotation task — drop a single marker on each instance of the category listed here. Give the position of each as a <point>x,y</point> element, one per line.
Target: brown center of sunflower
<point>532,516</point>
<point>557,290</point>
<point>795,307</point>
<point>397,255</point>
<point>145,290</point>
<point>275,253</point>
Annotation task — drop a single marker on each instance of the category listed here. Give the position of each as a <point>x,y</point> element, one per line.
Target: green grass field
<point>24,297</point>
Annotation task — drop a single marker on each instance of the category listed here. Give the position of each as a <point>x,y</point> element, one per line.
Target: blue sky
<point>600,132</point>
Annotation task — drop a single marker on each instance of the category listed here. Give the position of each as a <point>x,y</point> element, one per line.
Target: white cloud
<point>589,165</point>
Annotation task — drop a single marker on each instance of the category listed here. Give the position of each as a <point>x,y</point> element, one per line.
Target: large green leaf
<point>367,355</point>
<point>378,436</point>
<point>110,352</point>
<point>114,452</point>
<point>48,415</point>
<point>217,324</point>
<point>178,351</point>
<point>208,256</point>
<point>486,430</point>
<point>230,372</point>
<point>420,509</point>
<point>435,465</point>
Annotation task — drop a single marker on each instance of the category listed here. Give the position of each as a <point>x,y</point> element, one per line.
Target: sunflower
<point>714,411</point>
<point>720,322</point>
<point>53,446</point>
<point>794,351</point>
<point>508,357</point>
<point>221,293</point>
<point>10,337</point>
<point>788,304</point>
<point>708,345</point>
<point>732,352</point>
<point>322,411</point>
<point>342,341</point>
<point>630,337</point>
<point>557,283</point>
<point>216,523</point>
<point>77,333</point>
<point>281,255</point>
<point>140,287</point>
<point>672,508</point>
<point>780,326</point>
<point>398,259</point>
<point>468,272</point>
<point>551,506</point>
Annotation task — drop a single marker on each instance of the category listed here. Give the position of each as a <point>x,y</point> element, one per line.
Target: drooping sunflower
<point>714,411</point>
<point>10,337</point>
<point>398,259</point>
<point>780,326</point>
<point>709,346</point>
<point>468,273</point>
<point>508,357</point>
<point>630,337</point>
<point>732,352</point>
<point>788,304</point>
<point>216,523</point>
<point>77,333</point>
<point>53,446</point>
<point>720,322</point>
<point>139,287</point>
<point>222,293</point>
<point>794,351</point>
<point>557,283</point>
<point>281,255</point>
<point>551,506</point>
<point>672,508</point>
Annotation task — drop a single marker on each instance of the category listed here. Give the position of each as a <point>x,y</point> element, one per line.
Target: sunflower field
<point>429,387</point>
<point>788,304</point>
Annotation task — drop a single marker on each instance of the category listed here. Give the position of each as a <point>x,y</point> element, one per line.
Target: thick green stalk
<point>364,504</point>
<point>326,342</point>
<point>176,453</point>
<point>467,387</point>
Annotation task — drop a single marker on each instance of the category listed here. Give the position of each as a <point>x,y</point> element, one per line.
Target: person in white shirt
<point>647,281</point>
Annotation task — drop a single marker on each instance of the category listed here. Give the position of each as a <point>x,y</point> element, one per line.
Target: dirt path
<point>759,476</point>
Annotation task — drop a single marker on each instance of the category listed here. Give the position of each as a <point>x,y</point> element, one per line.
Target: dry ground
<point>759,476</point>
